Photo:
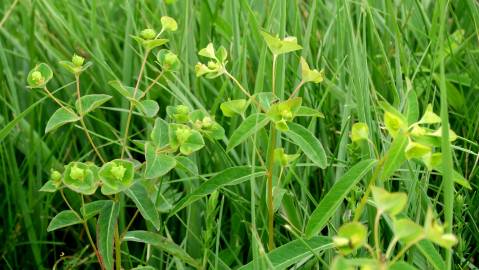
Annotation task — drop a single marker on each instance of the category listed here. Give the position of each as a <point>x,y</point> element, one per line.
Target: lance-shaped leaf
<point>139,195</point>
<point>248,127</point>
<point>106,228</point>
<point>395,156</point>
<point>308,143</point>
<point>64,219</point>
<point>228,177</point>
<point>335,196</point>
<point>61,117</point>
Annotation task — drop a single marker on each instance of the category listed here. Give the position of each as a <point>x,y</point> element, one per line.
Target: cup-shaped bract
<point>39,76</point>
<point>116,176</point>
<point>350,237</point>
<point>169,24</point>
<point>81,177</point>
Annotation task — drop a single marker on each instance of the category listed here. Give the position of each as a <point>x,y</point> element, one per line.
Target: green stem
<point>408,246</point>
<point>132,104</point>
<point>269,175</point>
<point>364,199</point>
<point>376,234</point>
<point>77,78</point>
<point>117,242</point>
<point>244,90</point>
<point>296,90</point>
<point>274,74</point>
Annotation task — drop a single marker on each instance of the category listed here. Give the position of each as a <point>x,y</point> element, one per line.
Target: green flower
<point>148,34</point>
<point>78,60</point>
<point>81,177</point>
<point>116,176</point>
<point>39,76</point>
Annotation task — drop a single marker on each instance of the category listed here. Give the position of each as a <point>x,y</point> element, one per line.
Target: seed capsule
<point>78,60</point>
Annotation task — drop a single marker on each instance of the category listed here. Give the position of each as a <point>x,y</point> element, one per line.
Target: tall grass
<point>371,50</point>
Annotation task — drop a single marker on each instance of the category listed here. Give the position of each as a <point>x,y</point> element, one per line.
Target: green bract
<point>279,46</point>
<point>116,176</point>
<point>148,34</point>
<point>391,203</point>
<point>435,232</point>
<point>168,60</point>
<point>215,67</point>
<point>310,75</point>
<point>179,113</point>
<point>76,65</point>
<point>283,112</point>
<point>185,139</point>
<point>350,237</point>
<point>232,107</point>
<point>78,60</point>
<point>359,132</point>
<point>148,40</point>
<point>168,24</point>
<point>39,76</point>
<point>282,158</point>
<point>207,125</point>
<point>81,177</point>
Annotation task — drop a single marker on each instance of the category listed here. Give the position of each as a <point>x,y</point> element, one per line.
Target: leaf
<point>163,244</point>
<point>157,164</point>
<point>307,111</point>
<point>125,91</point>
<point>59,118</point>
<point>329,204</point>
<point>359,132</point>
<point>81,177</point>
<point>64,219</point>
<point>194,143</point>
<point>49,186</point>
<point>431,254</point>
<point>232,107</point>
<point>395,156</point>
<point>139,195</point>
<point>401,266</point>
<point>208,51</point>
<point>248,127</point>
<point>429,117</point>
<point>278,46</point>
<point>151,44</point>
<point>106,228</point>
<point>310,75</point>
<point>149,108</point>
<point>94,208</point>
<point>390,202</point>
<point>91,102</point>
<point>159,134</point>
<point>412,107</point>
<point>308,143</point>
<point>293,252</point>
<point>406,230</point>
<point>228,177</point>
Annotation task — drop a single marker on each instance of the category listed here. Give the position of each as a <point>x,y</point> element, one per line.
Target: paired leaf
<point>279,46</point>
<point>232,107</point>
<point>90,103</point>
<point>64,219</point>
<point>59,118</point>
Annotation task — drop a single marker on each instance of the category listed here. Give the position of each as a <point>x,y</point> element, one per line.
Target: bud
<point>207,122</point>
<point>118,171</point>
<point>182,134</point>
<point>169,24</point>
<point>287,115</point>
<point>78,60</point>
<point>182,109</point>
<point>55,176</point>
<point>37,77</point>
<point>77,173</point>
<point>171,60</point>
<point>148,34</point>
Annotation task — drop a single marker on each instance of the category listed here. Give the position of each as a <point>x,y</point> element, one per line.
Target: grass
<point>371,51</point>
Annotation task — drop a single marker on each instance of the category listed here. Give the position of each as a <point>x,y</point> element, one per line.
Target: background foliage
<point>370,50</point>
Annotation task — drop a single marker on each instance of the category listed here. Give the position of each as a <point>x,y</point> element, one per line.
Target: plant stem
<point>132,105</point>
<point>269,174</point>
<point>376,234</point>
<point>117,242</point>
<point>77,78</point>
<point>152,84</point>
<point>296,90</point>
<point>408,246</point>
<point>391,246</point>
<point>244,90</point>
<point>57,101</point>
<point>274,74</point>
<point>364,199</point>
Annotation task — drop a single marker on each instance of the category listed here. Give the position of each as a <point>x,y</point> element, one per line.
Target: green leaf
<point>293,252</point>
<point>228,177</point>
<point>208,51</point>
<point>151,44</point>
<point>94,208</point>
<point>308,143</point>
<point>59,118</point>
<point>159,134</point>
<point>335,196</point>
<point>126,91</point>
<point>417,150</point>
<point>390,202</point>
<point>412,107</point>
<point>64,219</point>
<point>184,138</point>
<point>393,119</point>
<point>401,266</point>
<point>395,156</point>
<point>285,110</point>
<point>106,228</point>
<point>429,117</point>
<point>278,46</point>
<point>310,75</point>
<point>91,102</point>
<point>310,112</point>
<point>139,195</point>
<point>49,186</point>
<point>406,230</point>
<point>162,243</point>
<point>248,127</point>
<point>232,107</point>
<point>431,254</point>
<point>149,108</point>
<point>157,163</point>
